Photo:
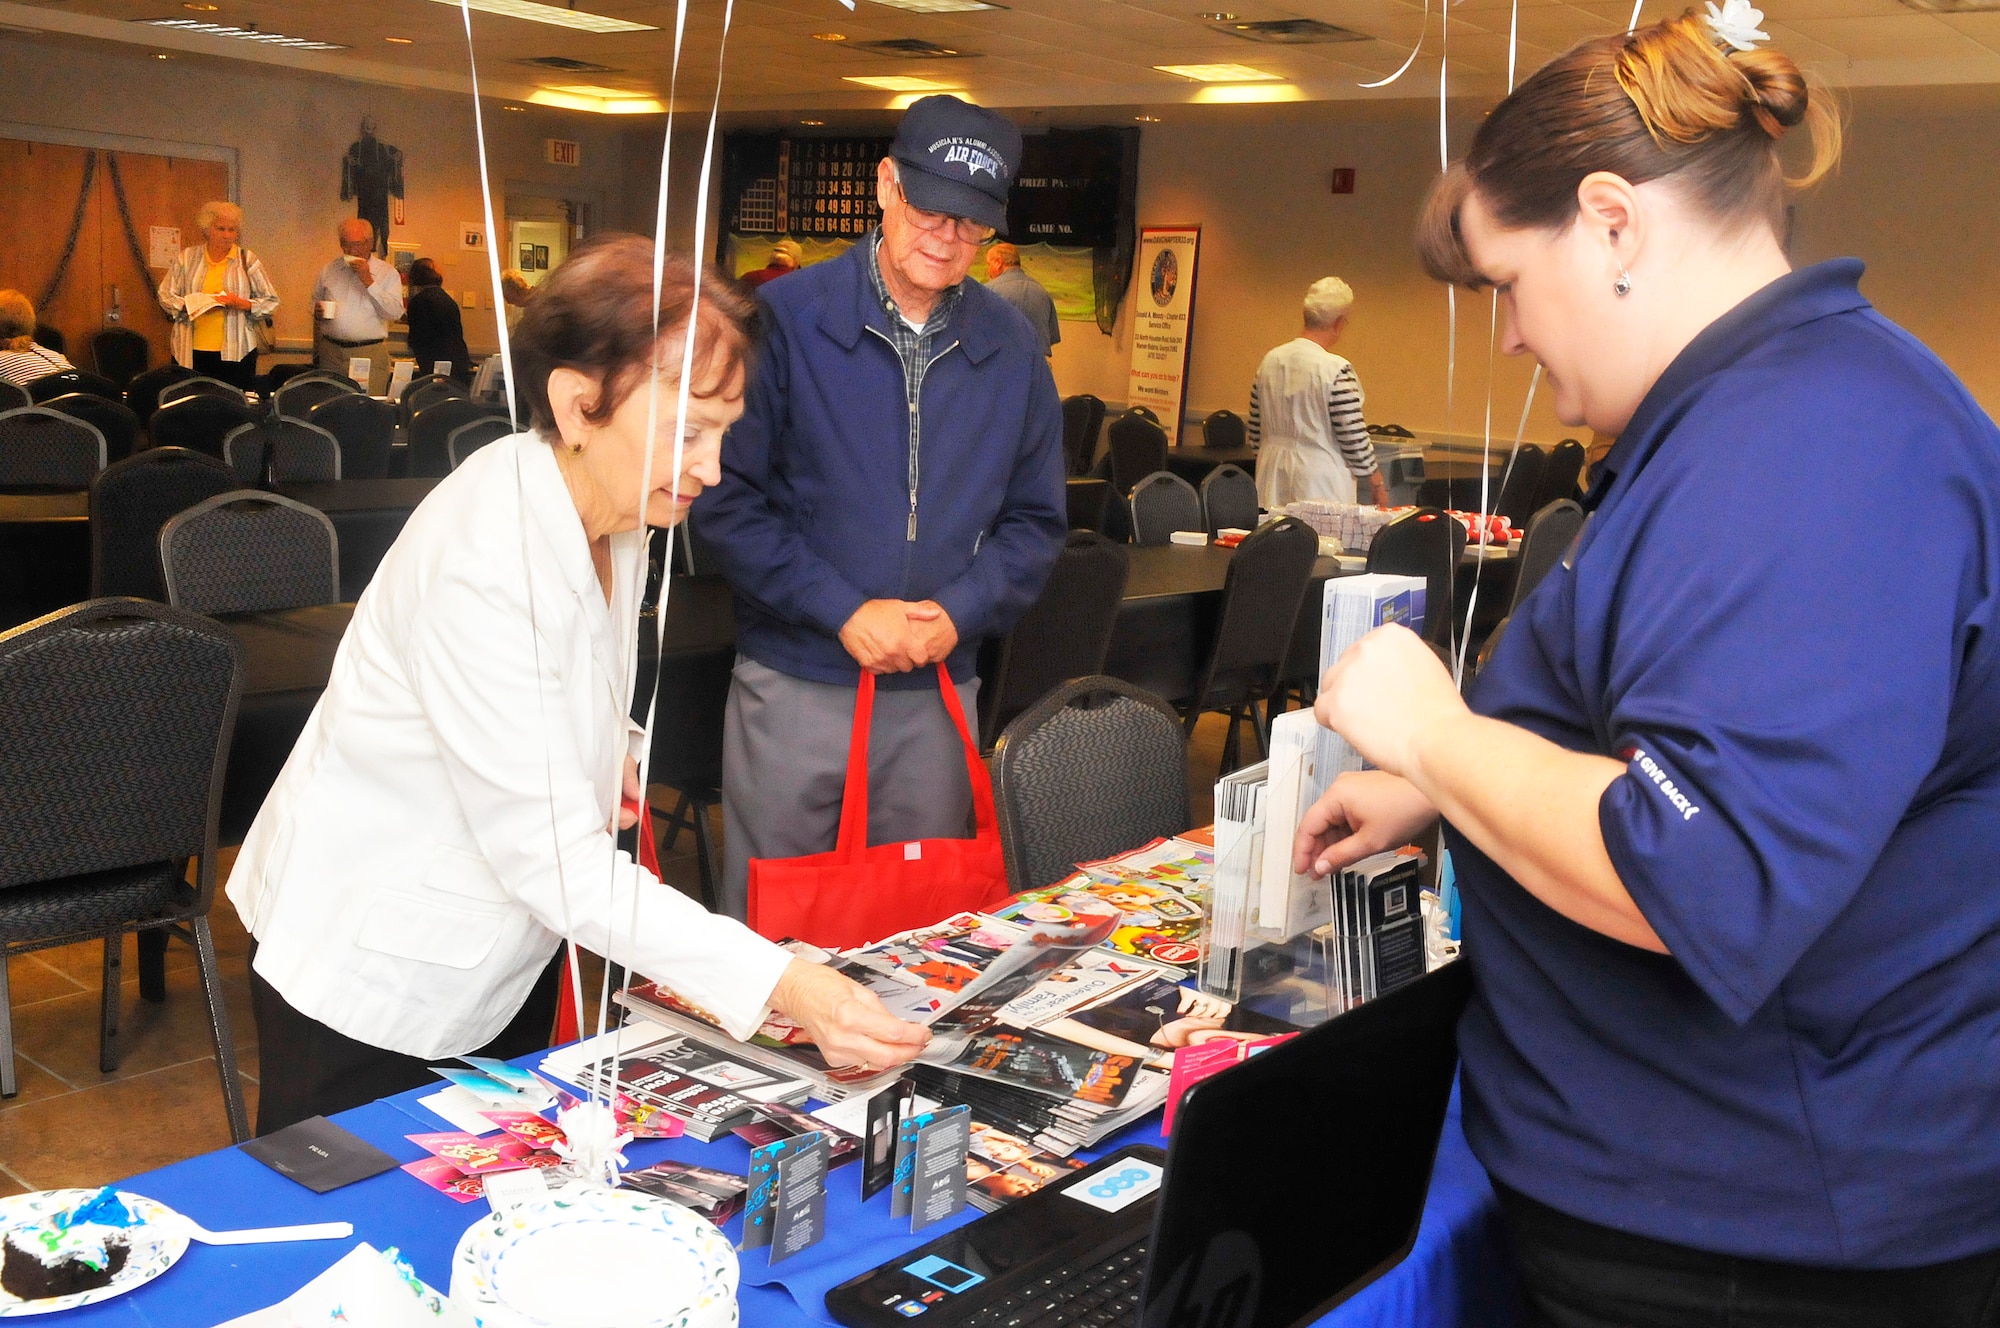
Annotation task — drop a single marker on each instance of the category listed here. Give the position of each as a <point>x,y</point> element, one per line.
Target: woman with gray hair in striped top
<point>214,292</point>
<point>1305,412</point>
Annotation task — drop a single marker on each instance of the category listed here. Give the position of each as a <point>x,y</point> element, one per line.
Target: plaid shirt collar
<point>911,344</point>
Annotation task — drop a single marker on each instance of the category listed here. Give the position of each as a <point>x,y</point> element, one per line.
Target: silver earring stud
<point>1623,286</point>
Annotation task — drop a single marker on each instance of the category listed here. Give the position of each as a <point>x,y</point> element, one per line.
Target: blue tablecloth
<point>1457,1274</point>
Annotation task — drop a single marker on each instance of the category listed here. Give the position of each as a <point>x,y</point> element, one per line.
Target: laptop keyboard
<point>1100,1295</point>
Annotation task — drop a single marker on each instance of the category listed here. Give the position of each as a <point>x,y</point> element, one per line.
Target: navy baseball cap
<point>957,158</point>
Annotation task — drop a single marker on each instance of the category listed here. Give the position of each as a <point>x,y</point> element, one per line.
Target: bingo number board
<point>826,186</point>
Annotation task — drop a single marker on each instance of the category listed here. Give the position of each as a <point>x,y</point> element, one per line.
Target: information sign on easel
<point>1163,323</point>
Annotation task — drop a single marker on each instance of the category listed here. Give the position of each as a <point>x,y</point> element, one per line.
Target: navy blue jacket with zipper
<point>814,513</point>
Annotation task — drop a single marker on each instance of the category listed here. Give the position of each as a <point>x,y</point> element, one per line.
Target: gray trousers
<point>334,360</point>
<point>784,768</point>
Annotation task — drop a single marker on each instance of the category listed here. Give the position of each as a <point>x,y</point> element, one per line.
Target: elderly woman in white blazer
<point>447,814</point>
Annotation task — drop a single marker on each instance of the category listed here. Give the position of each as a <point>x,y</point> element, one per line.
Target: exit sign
<point>562,152</point>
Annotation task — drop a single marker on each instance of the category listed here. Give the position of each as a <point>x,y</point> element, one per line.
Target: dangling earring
<point>1623,286</point>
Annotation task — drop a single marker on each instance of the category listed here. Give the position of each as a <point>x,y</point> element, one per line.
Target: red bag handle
<point>854,799</point>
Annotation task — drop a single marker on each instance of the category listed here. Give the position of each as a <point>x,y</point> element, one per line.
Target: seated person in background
<point>786,257</point>
<point>1005,278</point>
<point>1305,412</point>
<point>436,330</point>
<point>21,360</point>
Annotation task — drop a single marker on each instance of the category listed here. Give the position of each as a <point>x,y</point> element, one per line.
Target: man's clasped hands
<point>897,635</point>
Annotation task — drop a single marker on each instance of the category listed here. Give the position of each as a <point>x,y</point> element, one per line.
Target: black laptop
<point>1293,1180</point>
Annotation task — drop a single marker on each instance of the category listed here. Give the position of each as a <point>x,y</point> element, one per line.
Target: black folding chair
<point>1550,533</point>
<point>42,448</point>
<point>142,394</point>
<point>1095,768</point>
<point>49,386</point>
<point>1559,478</point>
<point>1229,499</point>
<point>302,392</point>
<point>1065,634</point>
<point>1425,543</point>
<point>120,354</point>
<point>200,420</point>
<point>1143,413</point>
<point>1163,503</point>
<point>430,432</point>
<point>200,385</point>
<point>426,388</point>
<point>247,551</point>
<point>1138,447</point>
<point>13,397</point>
<point>469,437</point>
<point>130,500</point>
<point>1520,481</point>
<point>113,419</point>
<point>366,429</point>
<point>1083,418</point>
<point>112,748</point>
<point>1261,599</point>
<point>1224,428</point>
<point>290,451</point>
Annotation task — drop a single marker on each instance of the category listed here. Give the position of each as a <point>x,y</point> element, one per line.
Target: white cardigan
<point>402,879</point>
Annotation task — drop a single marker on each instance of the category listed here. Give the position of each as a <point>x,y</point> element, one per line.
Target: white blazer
<point>444,817</point>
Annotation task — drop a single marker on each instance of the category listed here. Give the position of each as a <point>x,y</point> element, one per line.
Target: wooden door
<point>39,207</point>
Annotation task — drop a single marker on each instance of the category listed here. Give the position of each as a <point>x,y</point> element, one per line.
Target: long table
<point>288,657</point>
<point>367,515</point>
<point>44,553</point>
<point>1457,1273</point>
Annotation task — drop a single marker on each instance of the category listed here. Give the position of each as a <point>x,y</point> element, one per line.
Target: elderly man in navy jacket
<point>892,494</point>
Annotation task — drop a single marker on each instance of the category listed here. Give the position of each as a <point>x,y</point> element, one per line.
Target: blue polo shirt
<point>1782,615</point>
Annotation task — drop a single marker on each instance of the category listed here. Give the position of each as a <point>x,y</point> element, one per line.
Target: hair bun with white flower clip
<point>1735,24</point>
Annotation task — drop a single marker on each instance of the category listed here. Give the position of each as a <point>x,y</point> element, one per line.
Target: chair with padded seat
<point>1550,532</point>
<point>13,397</point>
<point>200,385</point>
<point>1229,499</point>
<point>199,420</point>
<point>1262,596</point>
<point>302,392</point>
<point>142,394</point>
<point>1224,428</point>
<point>1559,477</point>
<point>247,551</point>
<point>1163,503</point>
<point>366,429</point>
<point>1426,543</point>
<point>48,386</point>
<point>430,432</point>
<point>469,437</point>
<point>112,750</point>
<point>130,500</point>
<point>113,419</point>
<point>1095,768</point>
<point>120,354</point>
<point>1065,634</point>
<point>46,449</point>
<point>1143,413</point>
<point>1137,447</point>
<point>1083,419</point>
<point>292,451</point>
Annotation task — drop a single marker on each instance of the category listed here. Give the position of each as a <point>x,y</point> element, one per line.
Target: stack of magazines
<point>1045,1023</point>
<point>649,1068</point>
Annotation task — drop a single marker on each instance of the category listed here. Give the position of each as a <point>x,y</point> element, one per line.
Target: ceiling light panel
<point>535,12</point>
<point>897,83</point>
<point>242,34</point>
<point>939,6</point>
<point>1217,73</point>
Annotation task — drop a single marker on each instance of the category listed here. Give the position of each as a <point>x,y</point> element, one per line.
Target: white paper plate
<point>594,1258</point>
<point>156,1244</point>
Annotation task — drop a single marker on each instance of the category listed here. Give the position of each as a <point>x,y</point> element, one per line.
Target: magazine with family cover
<point>1157,892</point>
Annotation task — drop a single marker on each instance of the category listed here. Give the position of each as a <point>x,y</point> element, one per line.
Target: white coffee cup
<point>329,309</point>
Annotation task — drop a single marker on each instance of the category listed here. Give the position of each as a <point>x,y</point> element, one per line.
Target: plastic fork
<point>267,1235</point>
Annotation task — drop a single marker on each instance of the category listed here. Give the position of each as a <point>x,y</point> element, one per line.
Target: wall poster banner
<point>1162,322</point>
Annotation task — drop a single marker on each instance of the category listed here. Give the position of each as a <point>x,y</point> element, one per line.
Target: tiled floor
<point>74,1125</point>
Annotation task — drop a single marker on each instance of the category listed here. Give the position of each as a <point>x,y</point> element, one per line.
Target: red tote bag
<point>856,893</point>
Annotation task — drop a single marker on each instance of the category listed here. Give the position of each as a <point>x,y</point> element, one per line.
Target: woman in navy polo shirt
<point>1726,801</point>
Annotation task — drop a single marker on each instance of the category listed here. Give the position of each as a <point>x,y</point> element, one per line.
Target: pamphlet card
<point>939,1180</point>
<point>800,1205</point>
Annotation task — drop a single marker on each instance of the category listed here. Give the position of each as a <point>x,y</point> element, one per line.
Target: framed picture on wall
<point>527,263</point>
<point>541,258</point>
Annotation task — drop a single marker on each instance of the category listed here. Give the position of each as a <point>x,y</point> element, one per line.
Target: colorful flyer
<point>446,1179</point>
<point>530,1128</point>
<point>471,1154</point>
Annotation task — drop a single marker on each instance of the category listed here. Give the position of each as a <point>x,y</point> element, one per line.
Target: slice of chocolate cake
<point>80,1249</point>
